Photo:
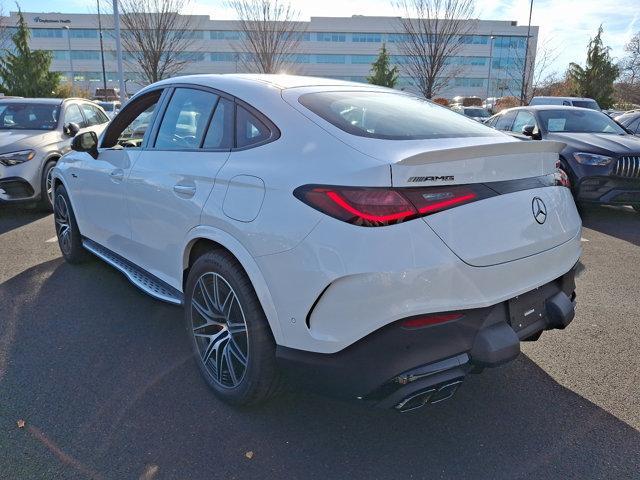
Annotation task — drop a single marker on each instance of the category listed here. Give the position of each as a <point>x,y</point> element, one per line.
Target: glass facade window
<point>474,39</point>
<point>224,35</point>
<point>300,58</point>
<point>331,37</point>
<point>224,57</point>
<point>328,58</point>
<point>510,42</point>
<point>397,37</point>
<point>46,32</point>
<point>192,34</point>
<point>83,33</point>
<point>470,82</point>
<point>366,37</point>
<point>60,54</point>
<point>190,56</point>
<point>85,54</point>
<point>360,59</point>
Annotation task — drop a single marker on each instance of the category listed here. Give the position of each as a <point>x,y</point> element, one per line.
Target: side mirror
<point>71,129</point>
<point>86,142</point>
<point>528,130</point>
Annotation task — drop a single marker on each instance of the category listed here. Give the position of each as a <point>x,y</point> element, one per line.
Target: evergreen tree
<point>596,79</point>
<point>25,72</point>
<point>381,72</point>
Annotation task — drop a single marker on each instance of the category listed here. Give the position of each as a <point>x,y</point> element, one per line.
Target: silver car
<point>34,134</point>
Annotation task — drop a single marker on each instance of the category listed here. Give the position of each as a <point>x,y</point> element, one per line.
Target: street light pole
<point>526,56</point>
<point>104,73</point>
<point>116,24</point>
<point>66,27</point>
<point>491,39</point>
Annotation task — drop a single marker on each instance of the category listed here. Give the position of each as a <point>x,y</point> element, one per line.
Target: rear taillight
<point>376,207</point>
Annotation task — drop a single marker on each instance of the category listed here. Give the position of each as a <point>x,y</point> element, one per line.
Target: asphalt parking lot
<point>103,378</point>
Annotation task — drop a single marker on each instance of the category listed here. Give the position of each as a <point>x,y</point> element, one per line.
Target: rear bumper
<point>609,190</point>
<point>394,364</point>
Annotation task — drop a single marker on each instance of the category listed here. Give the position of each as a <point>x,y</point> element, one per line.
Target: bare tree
<point>156,38</point>
<point>270,34</point>
<point>433,31</point>
<point>538,73</point>
<point>630,67</point>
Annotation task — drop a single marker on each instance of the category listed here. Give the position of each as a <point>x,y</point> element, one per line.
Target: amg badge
<point>436,178</point>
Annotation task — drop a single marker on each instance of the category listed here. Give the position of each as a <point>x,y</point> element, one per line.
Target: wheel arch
<point>203,239</point>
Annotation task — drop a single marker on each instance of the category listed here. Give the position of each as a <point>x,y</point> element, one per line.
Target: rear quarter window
<point>391,116</point>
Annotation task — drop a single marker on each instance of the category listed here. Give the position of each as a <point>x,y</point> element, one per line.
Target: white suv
<point>352,237</point>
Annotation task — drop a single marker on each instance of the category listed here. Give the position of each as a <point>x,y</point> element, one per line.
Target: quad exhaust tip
<point>429,396</point>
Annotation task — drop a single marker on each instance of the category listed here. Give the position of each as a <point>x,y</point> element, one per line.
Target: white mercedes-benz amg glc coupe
<point>348,237</point>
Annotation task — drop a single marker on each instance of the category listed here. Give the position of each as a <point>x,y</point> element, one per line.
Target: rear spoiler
<point>480,151</point>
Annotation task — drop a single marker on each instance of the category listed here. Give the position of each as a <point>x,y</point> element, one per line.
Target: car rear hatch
<point>525,214</point>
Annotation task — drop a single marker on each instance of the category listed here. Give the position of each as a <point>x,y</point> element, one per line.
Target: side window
<point>220,132</point>
<point>185,120</point>
<point>634,125</point>
<point>492,121</point>
<point>505,121</point>
<point>73,115</point>
<point>102,117</point>
<point>129,127</point>
<point>91,115</point>
<point>523,118</point>
<point>249,130</point>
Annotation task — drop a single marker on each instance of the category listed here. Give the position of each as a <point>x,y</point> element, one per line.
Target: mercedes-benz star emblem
<point>539,210</point>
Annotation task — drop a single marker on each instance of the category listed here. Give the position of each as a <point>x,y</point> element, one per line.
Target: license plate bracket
<point>527,309</point>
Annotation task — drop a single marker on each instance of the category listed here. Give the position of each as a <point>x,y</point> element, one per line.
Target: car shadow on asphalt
<point>104,377</point>
<point>619,222</point>
<point>12,217</point>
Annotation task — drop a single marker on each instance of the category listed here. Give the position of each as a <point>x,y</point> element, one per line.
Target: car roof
<point>236,83</point>
<point>47,101</point>
<point>545,97</point>
<point>549,107</point>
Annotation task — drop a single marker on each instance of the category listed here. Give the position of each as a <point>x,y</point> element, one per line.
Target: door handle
<point>117,175</point>
<point>185,190</point>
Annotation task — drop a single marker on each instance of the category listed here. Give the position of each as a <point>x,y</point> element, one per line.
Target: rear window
<point>391,116</point>
<point>586,104</point>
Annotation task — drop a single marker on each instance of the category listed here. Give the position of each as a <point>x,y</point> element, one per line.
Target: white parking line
<point>52,240</point>
<point>582,239</point>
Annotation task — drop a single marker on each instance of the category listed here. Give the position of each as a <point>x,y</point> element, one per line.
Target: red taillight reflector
<point>376,207</point>
<point>427,320</point>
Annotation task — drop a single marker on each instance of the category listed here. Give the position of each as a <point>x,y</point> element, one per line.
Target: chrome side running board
<point>140,278</point>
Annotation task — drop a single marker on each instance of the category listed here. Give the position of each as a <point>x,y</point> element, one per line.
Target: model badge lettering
<point>433,178</point>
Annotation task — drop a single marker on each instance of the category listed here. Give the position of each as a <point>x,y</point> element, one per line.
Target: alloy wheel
<point>219,330</point>
<point>63,224</point>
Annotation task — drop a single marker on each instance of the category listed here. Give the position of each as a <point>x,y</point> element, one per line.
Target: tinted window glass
<point>220,131</point>
<point>185,120</point>
<point>578,121</point>
<point>249,130</point>
<point>91,114</point>
<point>523,118</point>
<point>28,116</point>
<point>102,117</point>
<point>505,121</point>
<point>586,104</point>
<point>391,116</point>
<point>73,115</point>
<point>634,126</point>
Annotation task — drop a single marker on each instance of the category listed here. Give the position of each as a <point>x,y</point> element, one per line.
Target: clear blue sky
<point>565,25</point>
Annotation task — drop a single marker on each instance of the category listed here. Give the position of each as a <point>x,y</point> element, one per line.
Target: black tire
<point>71,246</point>
<point>260,379</point>
<point>636,208</point>
<point>45,202</point>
